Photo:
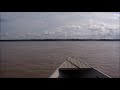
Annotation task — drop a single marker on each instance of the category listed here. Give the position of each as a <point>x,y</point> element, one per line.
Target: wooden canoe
<point>75,68</point>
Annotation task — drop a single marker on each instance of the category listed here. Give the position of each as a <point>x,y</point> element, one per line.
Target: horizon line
<point>60,40</point>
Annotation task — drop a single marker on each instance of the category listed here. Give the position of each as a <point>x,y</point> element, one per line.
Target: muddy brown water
<point>39,59</point>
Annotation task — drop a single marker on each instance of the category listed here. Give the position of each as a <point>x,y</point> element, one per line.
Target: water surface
<point>40,58</point>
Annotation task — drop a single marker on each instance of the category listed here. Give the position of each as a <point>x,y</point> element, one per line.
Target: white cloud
<point>60,25</point>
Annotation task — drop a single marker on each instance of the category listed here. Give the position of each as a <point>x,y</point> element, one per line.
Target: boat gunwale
<point>93,67</point>
<point>57,69</point>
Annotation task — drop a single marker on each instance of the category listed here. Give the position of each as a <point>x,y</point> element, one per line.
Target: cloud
<point>88,31</point>
<point>59,25</point>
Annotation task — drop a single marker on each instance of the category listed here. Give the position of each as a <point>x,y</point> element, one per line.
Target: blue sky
<point>39,25</point>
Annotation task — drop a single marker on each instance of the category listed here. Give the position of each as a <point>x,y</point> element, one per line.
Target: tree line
<point>63,40</point>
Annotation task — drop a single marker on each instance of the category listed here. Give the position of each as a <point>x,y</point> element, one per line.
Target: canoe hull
<point>74,68</point>
<point>82,73</point>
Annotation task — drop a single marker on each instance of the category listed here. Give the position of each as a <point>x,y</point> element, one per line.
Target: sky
<point>59,25</point>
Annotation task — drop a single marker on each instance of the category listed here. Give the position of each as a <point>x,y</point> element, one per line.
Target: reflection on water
<point>41,58</point>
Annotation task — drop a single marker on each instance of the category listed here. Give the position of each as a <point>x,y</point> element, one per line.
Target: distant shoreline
<point>64,40</point>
